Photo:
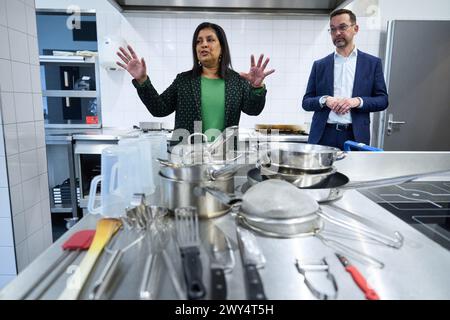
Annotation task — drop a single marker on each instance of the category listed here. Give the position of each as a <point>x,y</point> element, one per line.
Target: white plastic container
<point>111,204</point>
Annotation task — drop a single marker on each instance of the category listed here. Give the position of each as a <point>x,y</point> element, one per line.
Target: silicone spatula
<point>104,231</point>
<point>79,241</point>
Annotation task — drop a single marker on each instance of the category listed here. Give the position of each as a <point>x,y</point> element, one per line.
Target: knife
<point>252,260</point>
<point>358,278</point>
<point>222,261</point>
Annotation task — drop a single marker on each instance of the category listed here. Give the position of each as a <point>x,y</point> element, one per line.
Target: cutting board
<point>285,128</point>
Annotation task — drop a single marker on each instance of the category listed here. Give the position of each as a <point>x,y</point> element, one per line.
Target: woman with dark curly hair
<point>211,93</point>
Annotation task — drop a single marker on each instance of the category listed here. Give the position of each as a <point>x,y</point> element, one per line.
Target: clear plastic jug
<point>133,172</point>
<point>157,142</point>
<point>111,204</point>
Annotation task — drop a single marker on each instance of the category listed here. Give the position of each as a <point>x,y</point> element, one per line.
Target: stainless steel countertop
<point>253,135</point>
<point>418,270</point>
<point>106,133</point>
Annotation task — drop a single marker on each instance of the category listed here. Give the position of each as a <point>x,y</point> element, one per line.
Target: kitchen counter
<point>251,135</point>
<point>107,133</point>
<point>111,133</point>
<point>418,270</point>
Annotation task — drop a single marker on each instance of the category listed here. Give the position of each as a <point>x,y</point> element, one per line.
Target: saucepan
<point>180,193</point>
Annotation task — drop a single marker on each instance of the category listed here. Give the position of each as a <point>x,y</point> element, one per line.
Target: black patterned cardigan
<point>183,97</point>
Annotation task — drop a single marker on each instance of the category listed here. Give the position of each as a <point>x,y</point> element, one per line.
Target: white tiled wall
<point>25,226</point>
<point>164,40</point>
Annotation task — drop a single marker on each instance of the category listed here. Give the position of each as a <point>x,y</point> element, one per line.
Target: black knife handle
<point>192,267</point>
<point>255,289</point>
<point>218,284</point>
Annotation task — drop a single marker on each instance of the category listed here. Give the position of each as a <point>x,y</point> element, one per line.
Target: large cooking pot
<point>300,156</point>
<point>179,193</point>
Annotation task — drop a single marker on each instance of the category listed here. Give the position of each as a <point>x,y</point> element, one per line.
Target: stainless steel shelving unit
<point>65,140</point>
<point>74,61</point>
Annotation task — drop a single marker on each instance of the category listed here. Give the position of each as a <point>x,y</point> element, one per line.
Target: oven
<point>88,155</point>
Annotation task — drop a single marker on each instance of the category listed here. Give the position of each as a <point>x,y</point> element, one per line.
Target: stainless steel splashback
<point>251,6</point>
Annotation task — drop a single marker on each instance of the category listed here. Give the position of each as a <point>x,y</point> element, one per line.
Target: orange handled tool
<point>358,278</point>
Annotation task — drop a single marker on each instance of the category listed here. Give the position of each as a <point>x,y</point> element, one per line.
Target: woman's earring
<point>220,58</point>
<point>199,63</point>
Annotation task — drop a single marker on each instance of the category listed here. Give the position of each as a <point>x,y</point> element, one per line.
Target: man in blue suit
<point>344,87</point>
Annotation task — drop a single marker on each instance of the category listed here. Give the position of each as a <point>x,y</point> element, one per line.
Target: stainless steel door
<point>418,80</point>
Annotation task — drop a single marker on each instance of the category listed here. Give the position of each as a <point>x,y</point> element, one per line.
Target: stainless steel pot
<point>178,193</point>
<point>197,172</point>
<point>310,157</point>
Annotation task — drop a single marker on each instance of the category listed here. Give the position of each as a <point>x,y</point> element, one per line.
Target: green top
<point>184,97</point>
<point>213,105</point>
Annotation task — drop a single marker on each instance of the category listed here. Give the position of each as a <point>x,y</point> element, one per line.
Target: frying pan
<point>299,178</point>
<point>333,187</point>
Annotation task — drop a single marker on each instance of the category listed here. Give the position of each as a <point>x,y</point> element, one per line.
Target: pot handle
<point>226,135</point>
<point>164,162</point>
<point>223,197</point>
<point>391,181</point>
<point>228,169</point>
<point>197,134</point>
<point>340,155</point>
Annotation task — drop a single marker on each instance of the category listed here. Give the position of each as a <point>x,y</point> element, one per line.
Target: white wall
<point>24,197</point>
<point>414,10</point>
<point>292,43</point>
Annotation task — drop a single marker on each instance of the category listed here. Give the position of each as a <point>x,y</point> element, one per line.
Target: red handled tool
<point>358,278</point>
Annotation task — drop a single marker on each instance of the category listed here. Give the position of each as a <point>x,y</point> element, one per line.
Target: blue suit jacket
<point>369,85</point>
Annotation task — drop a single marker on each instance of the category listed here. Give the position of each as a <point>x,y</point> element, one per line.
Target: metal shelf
<point>67,59</point>
<point>70,93</point>
<point>61,209</point>
<point>77,61</point>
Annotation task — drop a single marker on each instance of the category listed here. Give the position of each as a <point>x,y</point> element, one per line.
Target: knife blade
<point>222,261</point>
<point>358,278</point>
<point>252,260</point>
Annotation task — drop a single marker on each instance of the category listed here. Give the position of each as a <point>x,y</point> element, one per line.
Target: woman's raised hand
<point>136,67</point>
<point>257,74</point>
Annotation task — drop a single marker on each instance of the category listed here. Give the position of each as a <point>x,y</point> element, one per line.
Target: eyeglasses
<point>341,28</point>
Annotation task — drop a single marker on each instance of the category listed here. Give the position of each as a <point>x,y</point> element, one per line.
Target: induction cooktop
<point>425,205</point>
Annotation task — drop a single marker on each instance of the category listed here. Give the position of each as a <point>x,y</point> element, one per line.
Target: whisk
<point>158,235</point>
